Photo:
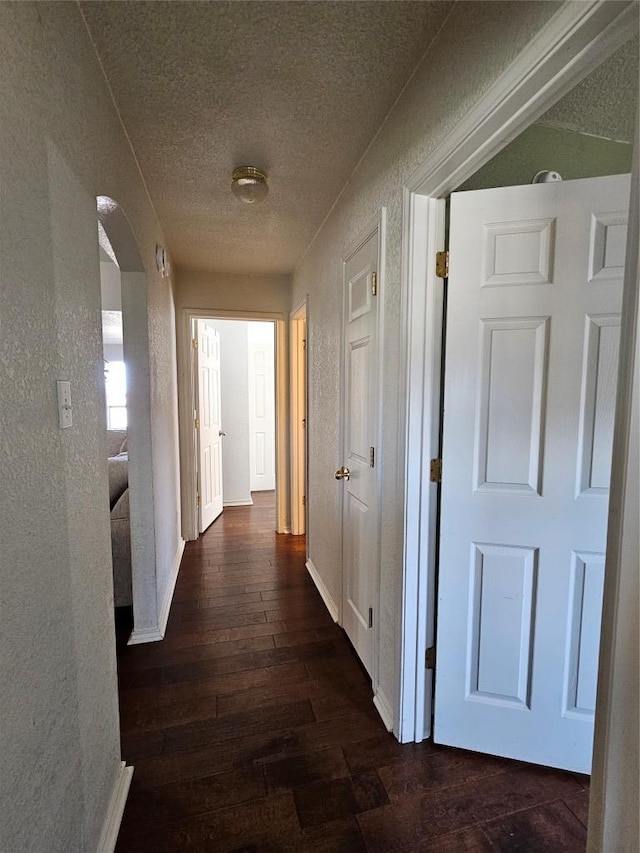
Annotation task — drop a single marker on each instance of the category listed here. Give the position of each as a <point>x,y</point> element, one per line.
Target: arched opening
<point>133,533</point>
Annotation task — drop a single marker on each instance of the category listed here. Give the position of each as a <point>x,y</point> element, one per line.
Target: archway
<point>117,239</point>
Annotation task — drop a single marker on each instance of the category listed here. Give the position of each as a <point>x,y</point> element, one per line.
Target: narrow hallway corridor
<point>251,728</point>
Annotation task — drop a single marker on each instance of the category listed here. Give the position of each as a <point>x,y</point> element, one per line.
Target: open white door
<point>359,516</point>
<point>208,419</point>
<point>262,418</point>
<point>534,296</point>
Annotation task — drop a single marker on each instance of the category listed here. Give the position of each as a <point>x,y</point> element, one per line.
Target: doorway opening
<point>233,416</point>
<point>126,344</point>
<point>234,390</point>
<point>523,94</point>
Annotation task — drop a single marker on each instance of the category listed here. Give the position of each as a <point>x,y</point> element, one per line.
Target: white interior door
<point>262,423</point>
<point>208,419</point>
<point>534,296</point>
<point>359,522</point>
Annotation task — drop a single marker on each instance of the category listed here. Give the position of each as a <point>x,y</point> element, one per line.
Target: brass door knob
<point>342,474</point>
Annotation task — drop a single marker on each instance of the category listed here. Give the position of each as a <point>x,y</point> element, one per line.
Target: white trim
<point>423,310</point>
<point>298,411</point>
<point>156,633</point>
<point>186,405</point>
<point>238,503</point>
<point>326,596</point>
<point>614,787</point>
<point>282,425</point>
<point>576,39</point>
<point>385,709</point>
<point>111,825</point>
<point>145,635</point>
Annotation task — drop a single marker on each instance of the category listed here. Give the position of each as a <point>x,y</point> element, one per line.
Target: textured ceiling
<point>296,88</point>
<point>605,103</point>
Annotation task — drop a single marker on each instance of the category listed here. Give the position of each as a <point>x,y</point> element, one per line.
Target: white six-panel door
<point>359,522</point>
<point>534,297</point>
<point>262,421</point>
<point>209,432</point>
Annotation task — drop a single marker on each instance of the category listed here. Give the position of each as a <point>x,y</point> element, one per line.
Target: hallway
<point>251,728</point>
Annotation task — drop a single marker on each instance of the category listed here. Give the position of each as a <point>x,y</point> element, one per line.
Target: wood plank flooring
<point>251,728</point>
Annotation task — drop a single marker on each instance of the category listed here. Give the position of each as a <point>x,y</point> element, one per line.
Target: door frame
<point>578,38</point>
<point>379,224</point>
<point>299,411</point>
<point>186,407</point>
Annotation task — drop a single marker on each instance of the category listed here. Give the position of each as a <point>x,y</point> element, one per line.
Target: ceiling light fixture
<point>249,184</point>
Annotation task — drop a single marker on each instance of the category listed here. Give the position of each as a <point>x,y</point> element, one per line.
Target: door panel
<point>262,406</point>
<point>210,425</point>
<point>359,524</point>
<point>533,321</point>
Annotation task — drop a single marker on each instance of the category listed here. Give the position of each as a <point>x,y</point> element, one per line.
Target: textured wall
<point>110,286</point>
<point>458,67</point>
<point>61,145</point>
<point>605,103</point>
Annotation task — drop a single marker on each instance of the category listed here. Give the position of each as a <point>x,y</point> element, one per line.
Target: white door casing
<point>298,427</point>
<point>261,406</point>
<point>359,400</point>
<point>534,296</point>
<point>209,429</point>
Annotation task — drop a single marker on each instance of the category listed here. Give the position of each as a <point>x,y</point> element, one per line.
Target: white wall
<point>458,67</point>
<point>110,286</point>
<point>61,146</point>
<point>234,404</point>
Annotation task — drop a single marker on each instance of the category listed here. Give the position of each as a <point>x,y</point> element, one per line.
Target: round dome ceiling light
<point>249,184</point>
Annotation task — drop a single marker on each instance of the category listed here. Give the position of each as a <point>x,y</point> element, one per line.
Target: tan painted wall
<point>219,291</point>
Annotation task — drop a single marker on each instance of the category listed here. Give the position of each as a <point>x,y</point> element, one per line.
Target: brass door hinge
<point>198,501</point>
<point>371,617</point>
<point>197,423</point>
<point>374,283</point>
<point>304,500</point>
<point>372,457</point>
<point>435,474</point>
<point>194,343</point>
<point>442,264</point>
<point>430,658</point>
<point>304,343</point>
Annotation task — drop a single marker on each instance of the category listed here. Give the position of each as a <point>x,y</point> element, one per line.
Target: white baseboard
<point>111,826</point>
<point>331,606</point>
<point>385,710</point>
<point>157,632</point>
<point>238,503</point>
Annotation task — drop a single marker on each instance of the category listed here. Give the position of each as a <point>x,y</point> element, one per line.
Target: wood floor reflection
<point>251,728</point>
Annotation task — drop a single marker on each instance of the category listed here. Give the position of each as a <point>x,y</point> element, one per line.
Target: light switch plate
<point>65,411</point>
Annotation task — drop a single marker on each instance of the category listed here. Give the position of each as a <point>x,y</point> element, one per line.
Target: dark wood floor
<point>251,728</point>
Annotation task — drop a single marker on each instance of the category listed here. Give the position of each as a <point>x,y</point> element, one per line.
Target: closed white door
<point>262,433</point>
<point>534,297</point>
<point>209,425</point>
<point>359,522</point>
